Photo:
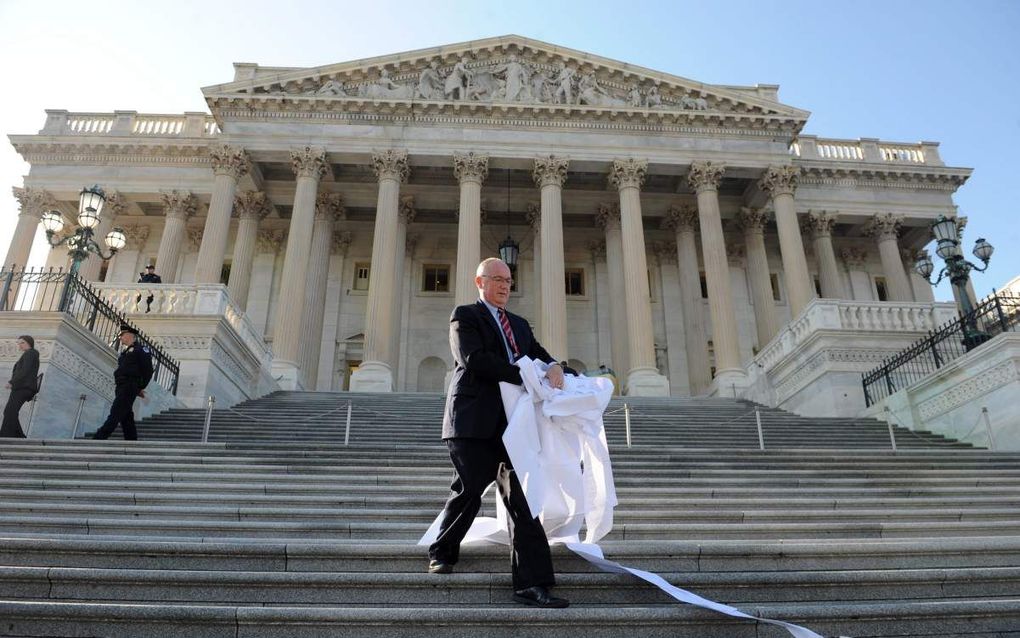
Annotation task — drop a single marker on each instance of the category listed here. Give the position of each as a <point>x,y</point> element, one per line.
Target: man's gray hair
<point>485,262</point>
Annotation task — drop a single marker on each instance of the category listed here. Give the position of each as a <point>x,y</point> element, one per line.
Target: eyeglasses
<point>500,280</point>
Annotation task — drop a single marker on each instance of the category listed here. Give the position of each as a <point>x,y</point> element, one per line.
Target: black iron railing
<point>994,315</point>
<point>55,290</point>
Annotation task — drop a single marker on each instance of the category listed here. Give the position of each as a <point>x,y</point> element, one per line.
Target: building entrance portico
<point>655,214</point>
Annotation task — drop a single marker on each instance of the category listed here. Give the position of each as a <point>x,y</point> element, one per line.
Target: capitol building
<point>315,229</point>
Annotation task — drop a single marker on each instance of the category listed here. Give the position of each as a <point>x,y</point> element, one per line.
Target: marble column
<point>753,222</point>
<point>781,183</point>
<point>123,268</point>
<point>331,320</point>
<point>643,378</point>
<point>821,224</point>
<point>704,178</point>
<point>860,284</point>
<point>263,277</point>
<point>471,170</point>
<point>375,373</point>
<point>923,291</point>
<point>550,174</point>
<point>405,217</point>
<point>178,206</point>
<point>534,217</point>
<point>310,165</point>
<point>114,207</point>
<point>608,217</point>
<point>885,228</point>
<point>329,208</point>
<point>33,202</point>
<point>251,208</point>
<point>229,163</point>
<point>684,222</point>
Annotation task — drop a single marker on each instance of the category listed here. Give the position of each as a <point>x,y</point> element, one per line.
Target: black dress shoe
<point>440,567</point>
<point>539,596</point>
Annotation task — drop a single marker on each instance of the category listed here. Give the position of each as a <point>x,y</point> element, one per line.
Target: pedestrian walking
<point>133,373</point>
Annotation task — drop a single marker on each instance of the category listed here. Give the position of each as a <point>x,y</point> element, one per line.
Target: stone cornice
<point>106,151</point>
<point>841,175</point>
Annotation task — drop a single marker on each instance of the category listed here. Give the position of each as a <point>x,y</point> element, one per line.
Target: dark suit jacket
<point>25,374</point>
<point>474,409</point>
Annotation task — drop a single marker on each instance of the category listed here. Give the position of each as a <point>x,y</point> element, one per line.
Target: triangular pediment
<point>510,72</point>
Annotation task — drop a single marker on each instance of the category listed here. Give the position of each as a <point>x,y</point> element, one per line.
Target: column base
<point>372,376</point>
<point>287,374</point>
<point>729,383</point>
<point>646,382</point>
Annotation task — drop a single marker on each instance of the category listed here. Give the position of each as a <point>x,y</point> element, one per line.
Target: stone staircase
<point>275,528</point>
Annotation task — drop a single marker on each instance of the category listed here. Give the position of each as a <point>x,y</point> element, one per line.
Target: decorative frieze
<point>470,167</point>
<point>628,173</point>
<point>391,164</point>
<point>179,204</point>
<point>229,160</point>
<point>705,176</point>
<point>780,180</point>
<point>310,162</point>
<point>330,206</point>
<point>550,170</point>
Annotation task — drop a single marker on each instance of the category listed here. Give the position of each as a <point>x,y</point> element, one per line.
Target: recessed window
<point>818,286</point>
<point>704,285</point>
<point>881,289</point>
<point>225,273</point>
<point>435,278</point>
<point>361,274</point>
<point>574,282</point>
<point>774,281</point>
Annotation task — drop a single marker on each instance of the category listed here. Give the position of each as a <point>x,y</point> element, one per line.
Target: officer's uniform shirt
<point>150,278</point>
<point>134,364</point>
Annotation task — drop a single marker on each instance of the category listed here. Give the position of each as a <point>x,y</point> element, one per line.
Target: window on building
<point>704,285</point>
<point>881,289</point>
<point>225,273</point>
<point>774,281</point>
<point>362,270</point>
<point>818,286</point>
<point>435,278</point>
<point>574,281</point>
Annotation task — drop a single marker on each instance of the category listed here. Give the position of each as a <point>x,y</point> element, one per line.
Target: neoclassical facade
<point>668,229</point>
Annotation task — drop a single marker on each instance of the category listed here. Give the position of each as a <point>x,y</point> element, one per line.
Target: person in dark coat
<point>133,373</point>
<point>486,340</point>
<point>148,277</point>
<point>23,386</point>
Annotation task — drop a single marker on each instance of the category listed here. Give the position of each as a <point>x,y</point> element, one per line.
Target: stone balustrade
<point>852,316</point>
<point>811,147</point>
<point>186,299</point>
<point>131,124</point>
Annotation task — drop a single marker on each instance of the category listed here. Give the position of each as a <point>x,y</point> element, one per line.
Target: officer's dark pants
<point>121,412</point>
<point>11,427</point>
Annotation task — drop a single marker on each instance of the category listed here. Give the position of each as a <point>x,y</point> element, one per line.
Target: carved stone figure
<point>589,92</point>
<point>455,87</point>
<point>653,100</point>
<point>385,88</point>
<point>430,84</point>
<point>694,103</point>
<point>634,95</point>
<point>332,87</point>
<point>516,76</point>
<point>564,93</point>
<point>484,85</point>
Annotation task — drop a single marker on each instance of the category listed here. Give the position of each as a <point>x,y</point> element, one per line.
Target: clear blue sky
<point>895,70</point>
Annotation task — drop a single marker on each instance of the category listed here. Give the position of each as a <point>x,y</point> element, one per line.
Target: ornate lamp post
<point>958,269</point>
<point>81,243</point>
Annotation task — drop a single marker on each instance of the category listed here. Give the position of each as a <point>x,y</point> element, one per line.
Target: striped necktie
<point>504,323</point>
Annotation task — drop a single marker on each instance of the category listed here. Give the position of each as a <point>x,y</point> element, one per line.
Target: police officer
<point>134,370</point>
<point>148,277</point>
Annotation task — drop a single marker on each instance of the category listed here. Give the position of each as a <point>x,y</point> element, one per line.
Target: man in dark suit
<point>24,379</point>
<point>485,340</point>
<point>133,373</point>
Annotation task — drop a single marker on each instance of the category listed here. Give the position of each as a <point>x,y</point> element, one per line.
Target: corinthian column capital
<point>136,236</point>
<point>597,248</point>
<point>407,212</point>
<point>251,205</point>
<point>330,206</point>
<point>391,164</point>
<point>550,171</point>
<point>269,241</point>
<point>628,173</point>
<point>884,226</point>
<point>229,160</point>
<point>780,180</point>
<point>705,176</point>
<point>179,204</point>
<point>310,162</point>
<point>752,220</point>
<point>534,216</point>
<point>821,223</point>
<point>681,217</point>
<point>469,167</point>
<point>115,205</point>
<point>854,257</point>
<point>341,242</point>
<point>33,201</point>
<point>608,216</point>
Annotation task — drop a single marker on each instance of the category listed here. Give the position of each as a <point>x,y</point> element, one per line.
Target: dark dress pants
<point>11,427</point>
<point>477,463</point>
<point>121,413</point>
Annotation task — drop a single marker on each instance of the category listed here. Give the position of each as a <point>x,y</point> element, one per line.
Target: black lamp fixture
<point>957,268</point>
<point>81,243</point>
<point>509,249</point>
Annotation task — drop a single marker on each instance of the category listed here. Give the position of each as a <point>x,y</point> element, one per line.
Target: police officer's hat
<point>126,328</point>
<point>150,267</point>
